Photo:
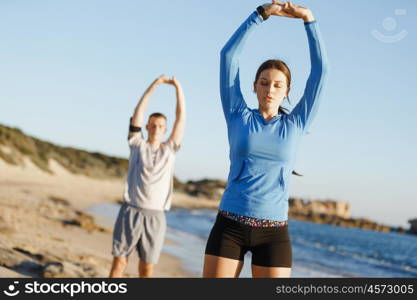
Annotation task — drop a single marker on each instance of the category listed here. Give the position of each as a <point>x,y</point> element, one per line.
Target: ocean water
<point>318,250</point>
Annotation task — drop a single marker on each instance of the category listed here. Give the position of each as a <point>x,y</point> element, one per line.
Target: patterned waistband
<point>253,222</point>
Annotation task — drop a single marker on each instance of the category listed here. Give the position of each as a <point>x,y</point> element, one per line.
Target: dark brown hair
<point>157,115</point>
<point>278,65</point>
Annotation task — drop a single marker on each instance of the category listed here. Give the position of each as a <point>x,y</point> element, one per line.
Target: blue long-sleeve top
<point>262,153</point>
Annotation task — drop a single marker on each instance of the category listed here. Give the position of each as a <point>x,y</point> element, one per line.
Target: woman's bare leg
<point>270,272</point>
<point>221,267</point>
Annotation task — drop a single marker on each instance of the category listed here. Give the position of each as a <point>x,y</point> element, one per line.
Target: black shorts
<point>270,246</point>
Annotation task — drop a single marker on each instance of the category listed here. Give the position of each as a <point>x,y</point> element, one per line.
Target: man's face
<point>157,126</point>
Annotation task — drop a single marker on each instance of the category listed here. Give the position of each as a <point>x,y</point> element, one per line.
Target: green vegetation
<point>95,165</point>
<point>39,152</point>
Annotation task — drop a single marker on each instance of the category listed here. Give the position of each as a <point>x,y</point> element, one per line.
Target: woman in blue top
<point>254,208</point>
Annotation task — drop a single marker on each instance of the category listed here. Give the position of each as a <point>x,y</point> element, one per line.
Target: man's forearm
<point>140,109</point>
<point>180,109</point>
<point>179,125</point>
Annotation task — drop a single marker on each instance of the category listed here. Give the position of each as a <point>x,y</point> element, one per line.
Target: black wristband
<point>133,128</point>
<point>261,12</point>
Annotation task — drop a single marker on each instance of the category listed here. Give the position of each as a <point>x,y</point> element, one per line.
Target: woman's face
<point>271,89</point>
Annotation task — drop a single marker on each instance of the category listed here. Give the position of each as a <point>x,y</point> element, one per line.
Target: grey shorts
<point>139,228</point>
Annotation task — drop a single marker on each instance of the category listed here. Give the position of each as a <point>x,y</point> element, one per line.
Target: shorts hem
<point>222,256</point>
<point>269,266</point>
<point>114,254</point>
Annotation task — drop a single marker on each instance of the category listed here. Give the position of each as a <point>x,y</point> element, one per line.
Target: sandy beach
<point>45,232</point>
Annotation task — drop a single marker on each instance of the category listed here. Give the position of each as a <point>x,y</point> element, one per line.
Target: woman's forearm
<point>309,17</point>
<point>307,106</point>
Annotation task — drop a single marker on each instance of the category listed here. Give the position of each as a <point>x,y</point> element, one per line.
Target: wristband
<point>261,12</point>
<point>134,128</point>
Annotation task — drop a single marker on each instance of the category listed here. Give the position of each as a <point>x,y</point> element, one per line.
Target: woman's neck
<point>268,113</point>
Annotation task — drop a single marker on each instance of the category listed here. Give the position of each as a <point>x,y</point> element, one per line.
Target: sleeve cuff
<point>257,17</point>
<point>311,22</point>
<point>135,140</point>
<point>173,146</point>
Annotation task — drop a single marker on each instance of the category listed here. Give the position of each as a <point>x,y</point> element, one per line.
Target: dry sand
<point>44,231</point>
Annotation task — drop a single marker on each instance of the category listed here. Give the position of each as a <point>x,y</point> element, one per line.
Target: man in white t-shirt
<point>141,222</point>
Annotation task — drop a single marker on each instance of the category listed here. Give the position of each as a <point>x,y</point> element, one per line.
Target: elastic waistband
<point>144,211</point>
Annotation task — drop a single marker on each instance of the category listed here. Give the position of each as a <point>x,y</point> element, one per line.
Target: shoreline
<point>169,266</point>
<point>45,232</point>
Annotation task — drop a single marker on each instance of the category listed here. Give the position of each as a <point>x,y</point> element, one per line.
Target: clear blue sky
<point>72,72</point>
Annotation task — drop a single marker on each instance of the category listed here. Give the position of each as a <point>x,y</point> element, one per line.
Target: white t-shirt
<point>149,181</point>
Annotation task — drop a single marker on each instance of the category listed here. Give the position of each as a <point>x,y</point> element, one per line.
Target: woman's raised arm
<point>306,108</point>
<point>231,95</point>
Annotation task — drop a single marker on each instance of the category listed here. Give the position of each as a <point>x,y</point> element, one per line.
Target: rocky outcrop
<point>413,226</point>
<point>60,209</point>
<point>327,207</point>
<point>318,211</point>
<point>67,269</point>
<point>41,265</point>
<point>332,213</point>
<point>83,220</point>
<point>350,222</point>
<point>44,253</point>
<point>206,188</point>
